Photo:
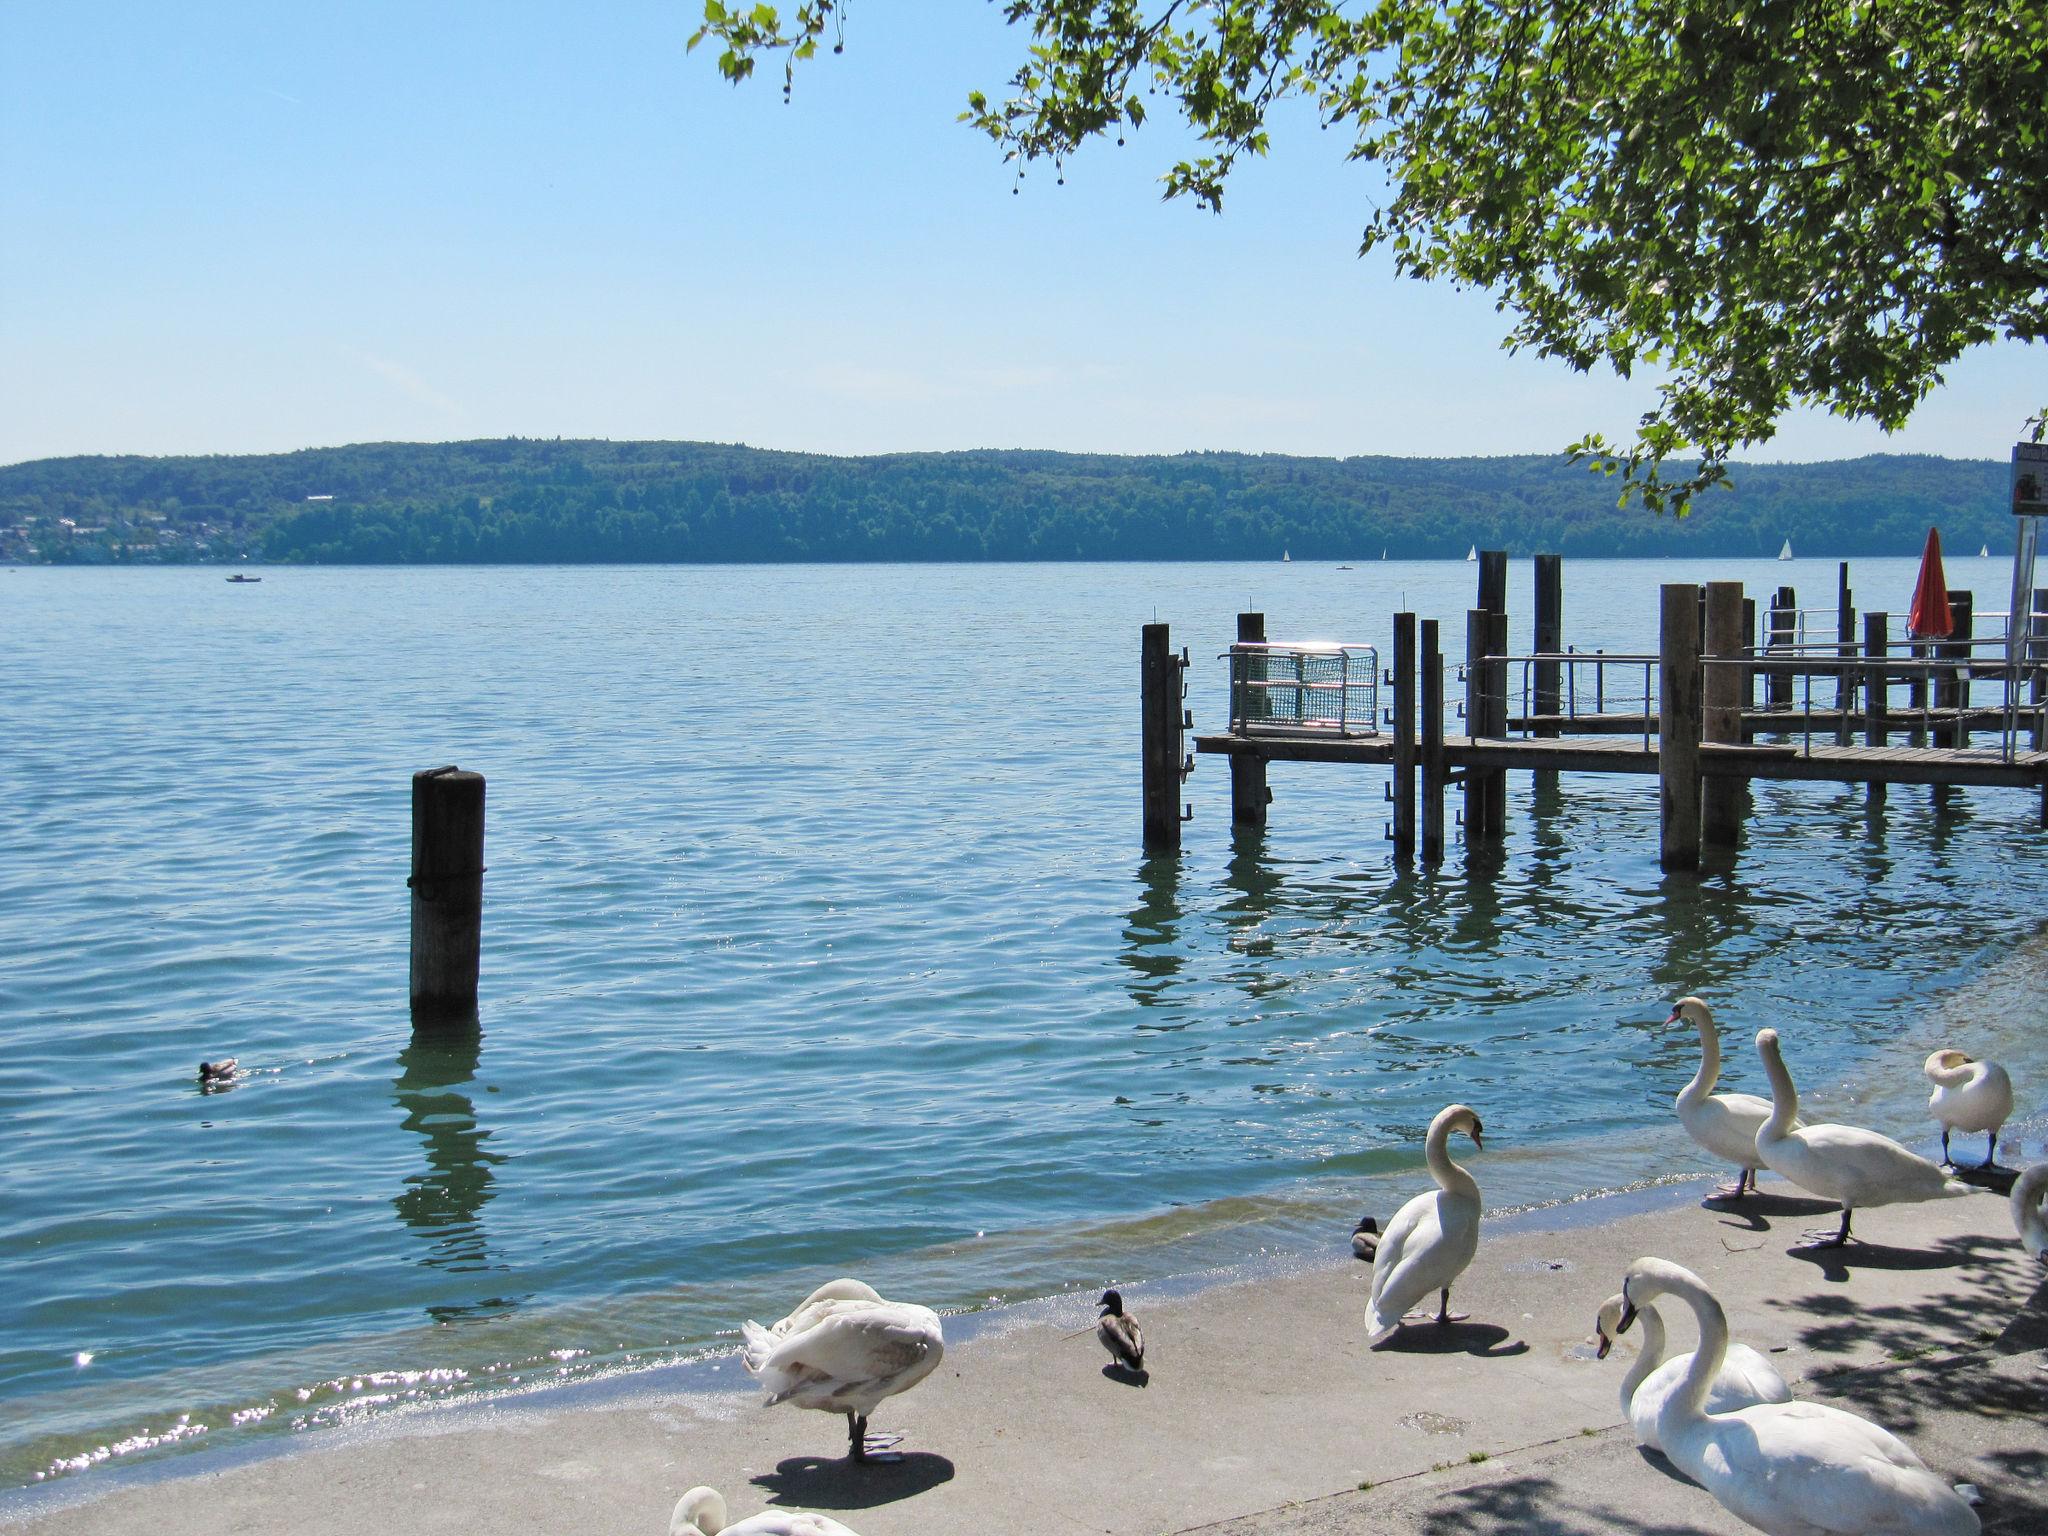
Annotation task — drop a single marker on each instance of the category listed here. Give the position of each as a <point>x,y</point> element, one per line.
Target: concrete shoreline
<point>1264,1410</point>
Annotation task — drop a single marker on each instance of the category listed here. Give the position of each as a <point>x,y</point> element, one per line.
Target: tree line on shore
<point>577,502</point>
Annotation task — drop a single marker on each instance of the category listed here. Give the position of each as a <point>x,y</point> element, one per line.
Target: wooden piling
<point>2037,629</point>
<point>1493,580</point>
<point>1249,795</point>
<point>1845,647</point>
<point>1478,628</point>
<point>447,891</point>
<point>1432,750</point>
<point>1678,726</point>
<point>1876,690</point>
<point>1721,711</point>
<point>1952,689</point>
<point>1549,612</point>
<point>1748,673</point>
<point>1162,740</point>
<point>1495,698</point>
<point>1404,736</point>
<point>1783,636</point>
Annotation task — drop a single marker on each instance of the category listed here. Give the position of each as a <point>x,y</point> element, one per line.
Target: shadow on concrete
<point>1118,1372</point>
<point>1488,1340</point>
<point>844,1484</point>
<point>1837,1264</point>
<point>1521,1505</point>
<point>1752,1212</point>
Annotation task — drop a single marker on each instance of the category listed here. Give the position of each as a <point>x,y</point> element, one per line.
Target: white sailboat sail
<point>1472,553</point>
<point>1786,552</point>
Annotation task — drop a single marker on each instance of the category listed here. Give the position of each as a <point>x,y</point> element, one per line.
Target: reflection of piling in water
<point>444,1203</point>
<point>1152,936</point>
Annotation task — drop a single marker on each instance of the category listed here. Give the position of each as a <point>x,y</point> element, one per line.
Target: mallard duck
<point>1969,1095</point>
<point>842,1351</point>
<point>1119,1333</point>
<point>1365,1239</point>
<point>701,1512</point>
<point>1840,1162</point>
<point>1432,1238</point>
<point>1789,1469</point>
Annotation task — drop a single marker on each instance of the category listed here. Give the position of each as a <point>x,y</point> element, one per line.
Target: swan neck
<point>1450,1177</point>
<point>1784,1097</point>
<point>1952,1077</point>
<point>1709,1073</point>
<point>1649,1357</point>
<point>1713,1346</point>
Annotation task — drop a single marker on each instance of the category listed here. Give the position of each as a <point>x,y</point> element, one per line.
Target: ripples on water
<point>817,938</point>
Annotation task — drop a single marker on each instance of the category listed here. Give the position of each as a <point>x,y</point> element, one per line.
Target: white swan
<point>701,1512</point>
<point>1745,1377</point>
<point>1724,1123</point>
<point>1789,1469</point>
<point>1969,1095</point>
<point>842,1351</point>
<point>1840,1162</point>
<point>2029,1191</point>
<point>1432,1238</point>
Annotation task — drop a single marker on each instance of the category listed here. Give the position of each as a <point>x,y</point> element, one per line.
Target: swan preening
<point>1844,1163</point>
<point>1969,1095</point>
<point>1119,1333</point>
<point>1745,1377</point>
<point>701,1512</point>
<point>1789,1469</point>
<point>2029,1190</point>
<point>1724,1123</point>
<point>843,1351</point>
<point>1432,1238</point>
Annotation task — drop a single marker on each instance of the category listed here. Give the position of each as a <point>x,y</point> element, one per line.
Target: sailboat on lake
<point>1472,553</point>
<point>1786,552</point>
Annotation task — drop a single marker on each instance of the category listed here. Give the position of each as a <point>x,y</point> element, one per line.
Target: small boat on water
<point>1472,553</point>
<point>238,576</point>
<point>1786,552</point>
<point>1285,557</point>
<point>1984,553</point>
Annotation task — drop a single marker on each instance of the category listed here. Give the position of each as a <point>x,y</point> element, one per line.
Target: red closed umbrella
<point>1929,617</point>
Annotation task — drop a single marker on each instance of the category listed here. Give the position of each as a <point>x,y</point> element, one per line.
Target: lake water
<point>818,938</point>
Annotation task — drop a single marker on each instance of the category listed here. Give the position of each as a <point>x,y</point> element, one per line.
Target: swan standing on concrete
<point>843,1351</point>
<point>1840,1162</point>
<point>1969,1095</point>
<point>1432,1238</point>
<point>1789,1469</point>
<point>701,1512</point>
<point>1724,1123</point>
<point>2029,1190</point>
<point>1745,1378</point>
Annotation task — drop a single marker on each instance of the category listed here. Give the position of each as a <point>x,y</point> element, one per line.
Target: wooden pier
<point>1830,710</point>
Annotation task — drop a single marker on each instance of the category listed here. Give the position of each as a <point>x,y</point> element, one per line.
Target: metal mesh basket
<point>1279,687</point>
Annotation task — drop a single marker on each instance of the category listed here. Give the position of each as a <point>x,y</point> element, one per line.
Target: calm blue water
<point>818,938</point>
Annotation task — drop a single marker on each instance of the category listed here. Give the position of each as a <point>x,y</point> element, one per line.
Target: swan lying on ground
<point>1789,1469</point>
<point>2029,1190</point>
<point>1840,1162</point>
<point>701,1512</point>
<point>1432,1238</point>
<point>1724,1123</point>
<point>842,1351</point>
<point>1119,1333</point>
<point>1745,1377</point>
<point>1969,1095</point>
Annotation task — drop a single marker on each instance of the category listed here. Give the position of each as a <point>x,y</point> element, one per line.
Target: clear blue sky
<point>250,227</point>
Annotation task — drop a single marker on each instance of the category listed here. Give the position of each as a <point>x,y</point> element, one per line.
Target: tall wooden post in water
<point>1678,726</point>
<point>1549,611</point>
<point>1845,647</point>
<point>1877,691</point>
<point>1404,736</point>
<point>1721,711</point>
<point>1952,689</point>
<point>447,890</point>
<point>1249,795</point>
<point>1432,680</point>
<point>1161,671</point>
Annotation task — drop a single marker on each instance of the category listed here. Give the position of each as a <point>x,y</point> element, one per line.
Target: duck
<point>701,1512</point>
<point>1724,1123</point>
<point>843,1350</point>
<point>2029,1191</point>
<point>1432,1238</point>
<point>1120,1333</point>
<point>1365,1239</point>
<point>1745,1377</point>
<point>218,1074</point>
<point>1795,1468</point>
<point>1969,1095</point>
<point>1845,1163</point>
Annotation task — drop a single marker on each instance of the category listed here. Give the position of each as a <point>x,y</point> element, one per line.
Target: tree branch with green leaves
<point>1773,203</point>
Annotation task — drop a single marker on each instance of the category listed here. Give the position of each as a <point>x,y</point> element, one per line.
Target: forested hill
<point>520,500</point>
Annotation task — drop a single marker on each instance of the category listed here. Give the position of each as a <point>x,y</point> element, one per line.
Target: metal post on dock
<point>1678,726</point>
<point>1249,795</point>
<point>1845,647</point>
<point>2037,629</point>
<point>1721,711</point>
<point>1432,680</point>
<point>447,891</point>
<point>1163,762</point>
<point>1876,691</point>
<point>1404,736</point>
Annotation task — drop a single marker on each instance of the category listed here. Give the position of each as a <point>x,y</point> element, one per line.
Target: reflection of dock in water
<point>444,1203</point>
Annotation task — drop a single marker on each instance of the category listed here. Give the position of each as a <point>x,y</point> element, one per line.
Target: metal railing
<point>1283,686</point>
